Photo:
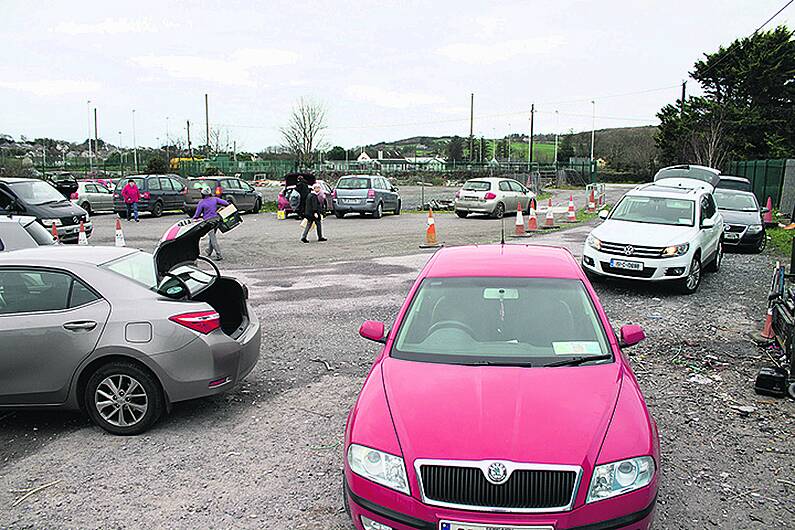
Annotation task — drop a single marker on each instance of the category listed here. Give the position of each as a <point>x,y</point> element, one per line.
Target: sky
<point>383,70</point>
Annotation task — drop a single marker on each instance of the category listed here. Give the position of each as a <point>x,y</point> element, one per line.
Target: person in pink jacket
<point>131,197</point>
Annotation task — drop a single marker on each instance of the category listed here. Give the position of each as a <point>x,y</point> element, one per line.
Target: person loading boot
<point>208,209</point>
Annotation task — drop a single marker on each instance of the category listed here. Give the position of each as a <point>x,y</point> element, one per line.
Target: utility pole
<point>96,136</point>
<point>530,140</point>
<point>135,146</point>
<point>682,102</point>
<point>234,150</point>
<point>121,158</point>
<point>207,122</point>
<point>593,129</point>
<point>168,145</point>
<point>557,133</point>
<point>471,123</point>
<point>190,149</point>
<point>88,115</point>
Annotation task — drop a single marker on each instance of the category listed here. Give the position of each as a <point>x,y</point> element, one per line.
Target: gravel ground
<point>268,454</point>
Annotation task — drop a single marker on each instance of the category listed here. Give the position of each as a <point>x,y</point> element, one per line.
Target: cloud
<point>391,98</point>
<point>52,87</point>
<point>495,52</point>
<point>236,69</point>
<point>109,26</point>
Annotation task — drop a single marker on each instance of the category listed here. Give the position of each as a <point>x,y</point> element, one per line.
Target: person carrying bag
<point>313,215</point>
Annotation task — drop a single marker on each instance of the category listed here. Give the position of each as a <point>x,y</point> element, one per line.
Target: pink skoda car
<point>501,400</point>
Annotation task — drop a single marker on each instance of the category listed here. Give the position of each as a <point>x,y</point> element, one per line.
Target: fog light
<point>674,271</point>
<point>215,383</point>
<point>369,524</point>
<point>588,260</point>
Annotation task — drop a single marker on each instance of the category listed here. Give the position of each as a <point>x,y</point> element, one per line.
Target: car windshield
<point>138,266</point>
<point>738,202</point>
<point>477,185</point>
<point>36,192</point>
<point>353,184</point>
<point>691,172</point>
<point>654,210</point>
<point>521,321</point>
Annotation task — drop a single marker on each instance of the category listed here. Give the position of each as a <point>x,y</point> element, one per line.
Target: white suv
<point>658,232</point>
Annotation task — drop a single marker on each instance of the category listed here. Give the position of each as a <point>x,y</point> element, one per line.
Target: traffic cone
<point>532,220</point>
<point>767,331</point>
<point>549,220</point>
<point>430,232</point>
<point>519,228</point>
<point>591,203</point>
<point>55,233</point>
<point>571,215</point>
<point>119,234</point>
<point>81,236</point>
<point>767,218</point>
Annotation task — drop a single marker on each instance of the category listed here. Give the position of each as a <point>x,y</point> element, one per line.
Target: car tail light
<point>334,194</point>
<point>184,191</point>
<point>146,195</point>
<point>115,195</point>
<point>490,196</point>
<point>74,195</point>
<point>218,191</point>
<point>371,194</point>
<point>458,195</point>
<point>201,321</point>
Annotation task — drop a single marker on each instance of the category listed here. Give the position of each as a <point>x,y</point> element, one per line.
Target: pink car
<point>501,400</point>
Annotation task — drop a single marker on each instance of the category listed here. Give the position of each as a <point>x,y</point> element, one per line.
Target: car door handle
<point>80,325</point>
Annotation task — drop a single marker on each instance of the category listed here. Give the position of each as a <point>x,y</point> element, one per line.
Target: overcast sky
<point>384,70</point>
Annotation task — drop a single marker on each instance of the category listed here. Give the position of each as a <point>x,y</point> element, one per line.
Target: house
<point>427,163</point>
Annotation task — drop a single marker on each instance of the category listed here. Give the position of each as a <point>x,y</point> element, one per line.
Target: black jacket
<point>303,190</point>
<point>312,210</point>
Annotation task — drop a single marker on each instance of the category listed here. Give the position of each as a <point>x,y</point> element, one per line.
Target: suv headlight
<point>755,229</point>
<point>593,242</point>
<point>676,250</point>
<point>382,468</point>
<point>617,478</point>
<point>50,222</point>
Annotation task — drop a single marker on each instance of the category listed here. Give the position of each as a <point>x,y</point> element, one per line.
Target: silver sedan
<point>120,333</point>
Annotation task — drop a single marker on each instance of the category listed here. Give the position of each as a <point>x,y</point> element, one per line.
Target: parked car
<point>159,193</point>
<point>492,196</point>
<point>365,194</point>
<point>290,180</point>
<point>742,217</point>
<point>682,174</point>
<point>65,183</point>
<point>501,398</point>
<point>36,198</point>
<point>92,197</point>
<point>17,232</point>
<point>136,332</point>
<point>658,233</point>
<point>231,189</point>
<point>727,182</point>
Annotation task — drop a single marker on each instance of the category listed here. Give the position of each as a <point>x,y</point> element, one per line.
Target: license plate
<point>350,201</point>
<point>731,235</point>
<point>451,525</point>
<point>469,198</point>
<point>628,265</point>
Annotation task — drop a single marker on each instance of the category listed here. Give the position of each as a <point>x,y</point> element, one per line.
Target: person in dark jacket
<point>303,190</point>
<point>313,215</point>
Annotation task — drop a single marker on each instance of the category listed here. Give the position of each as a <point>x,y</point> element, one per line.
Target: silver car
<point>492,196</point>
<point>93,197</point>
<point>365,194</point>
<point>119,333</point>
<point>19,231</point>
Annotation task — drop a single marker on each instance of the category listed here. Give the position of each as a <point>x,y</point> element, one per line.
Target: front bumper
<point>654,269</point>
<point>745,240</point>
<point>484,206</point>
<point>633,511</point>
<point>72,232</point>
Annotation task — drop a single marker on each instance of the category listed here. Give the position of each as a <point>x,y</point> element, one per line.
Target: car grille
<point>525,489</point>
<point>639,251</point>
<point>72,220</point>
<point>734,228</point>
<point>647,272</point>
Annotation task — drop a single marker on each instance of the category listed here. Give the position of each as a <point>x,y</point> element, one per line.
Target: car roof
<point>729,191</point>
<point>9,180</point>
<point>60,254</point>
<point>525,261</point>
<point>657,189</point>
<point>19,219</point>
<point>491,179</point>
<point>732,177</point>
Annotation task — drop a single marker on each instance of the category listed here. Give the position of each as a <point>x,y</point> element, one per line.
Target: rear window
<point>139,267</point>
<point>477,185</point>
<point>354,184</point>
<point>39,234</point>
<point>739,185</point>
<point>139,181</point>
<point>199,184</point>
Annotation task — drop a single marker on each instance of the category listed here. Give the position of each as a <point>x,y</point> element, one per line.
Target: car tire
<point>157,209</point>
<point>499,211</point>
<point>791,390</point>
<point>257,206</point>
<point>338,214</point>
<point>689,284</point>
<point>760,247</point>
<point>379,211</point>
<point>397,210</point>
<point>462,215</point>
<point>87,207</point>
<point>714,265</point>
<point>99,398</point>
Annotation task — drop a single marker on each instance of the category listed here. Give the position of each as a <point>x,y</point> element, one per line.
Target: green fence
<point>766,176</point>
<point>247,169</point>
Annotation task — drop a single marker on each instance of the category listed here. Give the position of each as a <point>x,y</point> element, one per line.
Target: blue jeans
<point>132,207</point>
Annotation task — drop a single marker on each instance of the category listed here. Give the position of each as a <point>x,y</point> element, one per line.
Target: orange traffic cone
<point>591,203</point>
<point>549,220</point>
<point>571,215</point>
<point>519,229</point>
<point>81,236</point>
<point>430,232</point>
<point>55,233</point>
<point>767,218</point>
<point>532,220</point>
<point>767,331</point>
<point>119,234</point>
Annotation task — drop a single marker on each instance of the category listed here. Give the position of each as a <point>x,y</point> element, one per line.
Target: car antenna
<point>502,230</point>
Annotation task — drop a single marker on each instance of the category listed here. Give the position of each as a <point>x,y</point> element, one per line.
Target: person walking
<point>131,197</point>
<point>208,209</point>
<point>313,215</point>
<point>303,191</point>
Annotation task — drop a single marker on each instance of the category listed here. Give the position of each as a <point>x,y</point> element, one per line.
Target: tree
<point>455,149</point>
<point>336,153</point>
<point>565,149</point>
<point>303,133</point>
<point>156,166</point>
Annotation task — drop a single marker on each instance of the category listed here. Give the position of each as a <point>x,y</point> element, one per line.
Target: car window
<point>654,210</point>
<point>41,235</point>
<point>515,186</point>
<point>101,188</point>
<point>471,320</point>
<point>154,184</point>
<point>138,266</point>
<point>707,207</point>
<point>24,291</point>
<point>357,183</point>
<point>2,246</point>
<point>90,188</point>
<point>477,185</point>
<point>505,185</point>
<point>5,200</point>
<point>178,185</point>
<point>246,186</point>
<point>235,184</point>
<point>139,181</point>
<point>740,202</point>
<point>165,184</point>
<point>199,184</point>
<point>80,294</point>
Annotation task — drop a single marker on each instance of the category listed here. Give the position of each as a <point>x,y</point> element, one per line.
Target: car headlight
<point>593,242</point>
<point>382,468</point>
<point>676,250</point>
<point>617,478</point>
<point>755,229</point>
<point>50,222</point>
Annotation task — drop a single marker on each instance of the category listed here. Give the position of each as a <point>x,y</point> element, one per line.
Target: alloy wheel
<point>121,400</point>
<point>695,274</point>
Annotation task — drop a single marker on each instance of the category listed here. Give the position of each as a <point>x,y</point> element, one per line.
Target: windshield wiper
<point>575,361</point>
<point>525,364</point>
<point>51,202</point>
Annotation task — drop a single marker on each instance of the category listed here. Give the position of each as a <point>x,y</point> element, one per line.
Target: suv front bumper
<point>654,269</point>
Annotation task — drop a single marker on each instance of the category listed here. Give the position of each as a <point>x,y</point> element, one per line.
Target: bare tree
<point>709,142</point>
<point>303,133</point>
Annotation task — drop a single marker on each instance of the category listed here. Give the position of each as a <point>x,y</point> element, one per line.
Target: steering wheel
<point>451,324</point>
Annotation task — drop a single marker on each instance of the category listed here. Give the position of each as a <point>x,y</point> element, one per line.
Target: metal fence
<point>247,169</point>
<point>766,176</point>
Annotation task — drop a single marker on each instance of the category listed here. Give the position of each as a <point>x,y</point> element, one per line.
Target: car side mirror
<point>630,335</point>
<point>373,330</point>
<point>707,223</point>
<point>603,214</point>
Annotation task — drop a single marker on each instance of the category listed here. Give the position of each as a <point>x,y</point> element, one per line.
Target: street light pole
<point>593,127</point>
<point>168,145</point>
<point>557,133</point>
<point>135,146</point>
<point>121,158</point>
<point>88,114</point>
